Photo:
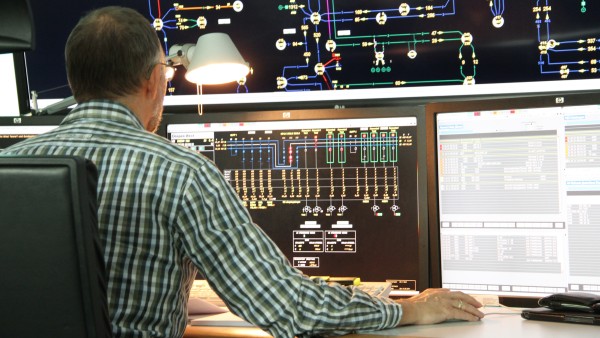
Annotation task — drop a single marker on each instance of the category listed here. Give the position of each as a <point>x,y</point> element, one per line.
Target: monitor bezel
<point>14,85</point>
<point>416,111</point>
<point>22,83</point>
<point>7,121</point>
<point>29,121</point>
<point>504,103</point>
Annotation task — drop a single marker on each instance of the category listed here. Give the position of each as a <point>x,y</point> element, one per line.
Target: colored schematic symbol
<point>381,18</point>
<point>238,6</point>
<point>544,46</point>
<point>319,69</point>
<point>374,144</point>
<point>498,21</point>
<point>469,80</point>
<point>330,45</point>
<point>364,148</point>
<point>341,152</point>
<point>158,24</point>
<point>281,82</point>
<point>202,22</point>
<point>564,71</point>
<point>383,149</point>
<point>280,44</point>
<point>329,144</point>
<point>404,9</point>
<point>393,147</point>
<point>466,39</point>
<point>379,58</point>
<point>315,18</point>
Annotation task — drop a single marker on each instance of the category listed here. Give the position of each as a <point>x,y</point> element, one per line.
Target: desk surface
<point>223,332</point>
<point>504,323</point>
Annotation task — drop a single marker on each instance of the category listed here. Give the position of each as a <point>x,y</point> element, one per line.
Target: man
<point>165,211</point>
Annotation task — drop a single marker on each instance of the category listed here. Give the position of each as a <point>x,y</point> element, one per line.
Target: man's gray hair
<point>109,53</point>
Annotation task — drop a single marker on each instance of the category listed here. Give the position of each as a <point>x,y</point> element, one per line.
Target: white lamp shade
<point>215,60</point>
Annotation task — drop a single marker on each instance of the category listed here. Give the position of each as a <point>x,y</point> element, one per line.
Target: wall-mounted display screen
<point>300,48</point>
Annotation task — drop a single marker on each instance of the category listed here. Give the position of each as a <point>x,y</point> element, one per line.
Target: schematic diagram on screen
<point>321,170</point>
<point>330,191</point>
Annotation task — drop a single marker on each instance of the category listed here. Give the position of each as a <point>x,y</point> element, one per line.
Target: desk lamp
<point>213,60</point>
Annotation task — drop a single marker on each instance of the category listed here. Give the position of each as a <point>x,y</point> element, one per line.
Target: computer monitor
<point>13,85</point>
<point>340,191</point>
<point>16,129</point>
<point>8,86</point>
<point>514,195</point>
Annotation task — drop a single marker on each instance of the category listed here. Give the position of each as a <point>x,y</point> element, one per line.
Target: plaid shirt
<point>165,211</point>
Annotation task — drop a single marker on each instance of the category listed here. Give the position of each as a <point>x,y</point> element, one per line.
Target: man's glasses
<point>169,70</point>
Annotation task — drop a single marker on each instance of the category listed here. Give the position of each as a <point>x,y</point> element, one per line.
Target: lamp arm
<point>57,107</point>
<point>174,59</point>
<point>181,54</point>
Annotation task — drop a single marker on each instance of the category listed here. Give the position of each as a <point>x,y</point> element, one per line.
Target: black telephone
<point>572,301</point>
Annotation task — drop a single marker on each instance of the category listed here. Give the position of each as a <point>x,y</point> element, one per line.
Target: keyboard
<point>376,289</point>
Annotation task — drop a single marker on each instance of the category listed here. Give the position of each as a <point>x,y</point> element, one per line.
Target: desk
<point>224,332</point>
<point>505,324</point>
<point>494,326</point>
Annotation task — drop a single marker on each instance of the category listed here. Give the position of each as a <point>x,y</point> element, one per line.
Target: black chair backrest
<point>52,274</point>
<point>17,33</point>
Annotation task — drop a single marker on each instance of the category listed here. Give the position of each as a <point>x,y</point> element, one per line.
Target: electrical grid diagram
<point>328,45</point>
<point>314,45</point>
<point>320,169</point>
<point>321,187</point>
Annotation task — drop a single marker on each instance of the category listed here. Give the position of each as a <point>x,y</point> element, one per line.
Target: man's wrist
<point>409,313</point>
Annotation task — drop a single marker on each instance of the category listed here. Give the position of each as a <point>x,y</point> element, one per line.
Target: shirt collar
<point>103,110</point>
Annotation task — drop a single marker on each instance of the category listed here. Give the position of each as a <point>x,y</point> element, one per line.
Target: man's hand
<point>437,305</point>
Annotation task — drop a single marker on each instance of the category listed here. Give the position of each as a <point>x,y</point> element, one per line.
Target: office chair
<point>52,277</point>
<point>17,31</point>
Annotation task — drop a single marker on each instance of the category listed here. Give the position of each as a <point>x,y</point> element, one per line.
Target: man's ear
<point>151,85</point>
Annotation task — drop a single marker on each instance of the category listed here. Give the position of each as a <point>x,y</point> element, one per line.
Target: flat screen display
<point>9,90</point>
<point>323,50</point>
<point>517,195</point>
<point>341,194</point>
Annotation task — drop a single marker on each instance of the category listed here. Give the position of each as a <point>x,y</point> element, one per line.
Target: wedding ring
<point>460,304</point>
